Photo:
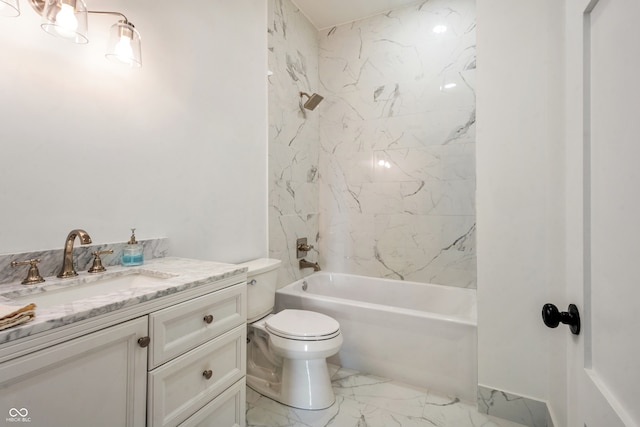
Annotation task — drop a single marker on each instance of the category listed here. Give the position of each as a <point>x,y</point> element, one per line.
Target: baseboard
<point>523,410</point>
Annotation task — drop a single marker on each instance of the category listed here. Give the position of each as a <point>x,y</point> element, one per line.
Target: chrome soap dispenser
<point>132,252</point>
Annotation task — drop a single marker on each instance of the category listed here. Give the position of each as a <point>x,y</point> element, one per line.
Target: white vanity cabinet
<point>98,379</point>
<point>191,372</point>
<point>198,350</point>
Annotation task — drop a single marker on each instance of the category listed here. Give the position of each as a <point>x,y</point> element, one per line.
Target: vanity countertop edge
<point>183,276</point>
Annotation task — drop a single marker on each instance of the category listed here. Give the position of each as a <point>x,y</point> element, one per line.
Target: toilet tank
<point>262,278</point>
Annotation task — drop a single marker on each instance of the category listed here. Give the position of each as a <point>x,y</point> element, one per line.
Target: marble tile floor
<point>370,401</point>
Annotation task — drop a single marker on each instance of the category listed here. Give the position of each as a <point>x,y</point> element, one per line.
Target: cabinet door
<point>95,380</point>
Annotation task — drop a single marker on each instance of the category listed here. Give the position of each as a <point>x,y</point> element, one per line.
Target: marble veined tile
<point>381,393</point>
<point>396,99</point>
<point>370,401</point>
<point>527,411</point>
<point>437,129</point>
<point>401,45</point>
<point>399,90</point>
<point>430,249</point>
<point>293,164</point>
<point>283,232</point>
<point>293,135</point>
<point>292,197</point>
<point>442,162</point>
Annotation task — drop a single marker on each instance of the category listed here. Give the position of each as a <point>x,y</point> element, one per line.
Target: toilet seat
<point>302,325</point>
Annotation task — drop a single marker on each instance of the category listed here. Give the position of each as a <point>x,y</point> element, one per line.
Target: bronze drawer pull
<point>207,374</point>
<point>144,341</point>
<point>208,318</point>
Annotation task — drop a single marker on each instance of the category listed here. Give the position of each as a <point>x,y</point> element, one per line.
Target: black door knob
<point>552,317</point>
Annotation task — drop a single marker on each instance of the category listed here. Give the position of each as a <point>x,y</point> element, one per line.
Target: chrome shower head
<point>312,102</point>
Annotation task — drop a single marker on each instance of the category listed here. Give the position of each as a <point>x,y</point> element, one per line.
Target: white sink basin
<point>64,293</point>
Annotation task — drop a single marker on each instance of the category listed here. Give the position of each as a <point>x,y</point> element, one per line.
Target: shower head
<point>313,101</point>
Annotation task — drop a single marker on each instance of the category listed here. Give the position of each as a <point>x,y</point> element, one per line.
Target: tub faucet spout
<point>308,264</point>
<point>67,269</point>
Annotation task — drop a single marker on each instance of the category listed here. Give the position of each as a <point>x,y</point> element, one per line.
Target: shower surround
<point>294,137</point>
<point>387,185</point>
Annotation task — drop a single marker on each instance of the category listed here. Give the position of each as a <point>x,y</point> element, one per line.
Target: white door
<point>605,378</point>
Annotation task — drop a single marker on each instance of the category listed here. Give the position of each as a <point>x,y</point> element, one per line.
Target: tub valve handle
<point>302,247</point>
<point>305,248</point>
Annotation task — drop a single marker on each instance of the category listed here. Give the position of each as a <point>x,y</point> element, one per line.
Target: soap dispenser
<point>132,252</point>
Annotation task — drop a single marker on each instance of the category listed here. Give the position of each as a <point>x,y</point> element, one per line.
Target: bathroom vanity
<point>165,352</point>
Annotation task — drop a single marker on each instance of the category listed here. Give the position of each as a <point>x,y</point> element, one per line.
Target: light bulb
<point>123,49</point>
<point>124,44</point>
<point>66,21</point>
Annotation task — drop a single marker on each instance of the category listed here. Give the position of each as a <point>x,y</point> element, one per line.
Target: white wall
<point>520,197</point>
<point>176,148</point>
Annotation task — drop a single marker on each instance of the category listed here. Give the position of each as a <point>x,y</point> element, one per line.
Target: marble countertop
<point>175,274</point>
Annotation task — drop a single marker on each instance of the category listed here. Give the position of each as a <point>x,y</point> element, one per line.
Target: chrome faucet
<point>67,269</point>
<point>308,264</point>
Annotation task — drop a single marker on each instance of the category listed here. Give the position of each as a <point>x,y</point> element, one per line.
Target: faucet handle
<point>33,276</point>
<point>97,266</point>
<point>301,247</point>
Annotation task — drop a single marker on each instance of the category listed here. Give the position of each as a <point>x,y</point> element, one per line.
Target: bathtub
<point>419,334</point>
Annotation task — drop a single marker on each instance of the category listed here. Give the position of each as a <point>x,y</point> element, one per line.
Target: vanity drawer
<point>178,329</point>
<point>179,388</point>
<point>226,410</point>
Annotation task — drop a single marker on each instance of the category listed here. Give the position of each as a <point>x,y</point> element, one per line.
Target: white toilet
<point>287,351</point>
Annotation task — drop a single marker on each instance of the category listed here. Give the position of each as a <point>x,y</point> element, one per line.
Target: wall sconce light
<point>68,19</point>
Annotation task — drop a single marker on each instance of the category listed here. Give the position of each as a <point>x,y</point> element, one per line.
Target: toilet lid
<point>302,325</point>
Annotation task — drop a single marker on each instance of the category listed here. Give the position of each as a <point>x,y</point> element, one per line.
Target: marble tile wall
<point>523,410</point>
<point>294,136</point>
<point>397,145</point>
<point>381,176</point>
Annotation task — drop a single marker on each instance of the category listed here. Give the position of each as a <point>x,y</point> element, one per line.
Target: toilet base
<point>305,385</point>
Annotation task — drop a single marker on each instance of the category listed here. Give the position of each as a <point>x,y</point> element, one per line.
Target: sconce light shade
<point>9,8</point>
<point>124,45</point>
<point>66,19</point>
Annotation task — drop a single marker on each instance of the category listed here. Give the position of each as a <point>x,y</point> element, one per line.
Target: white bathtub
<point>416,333</point>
